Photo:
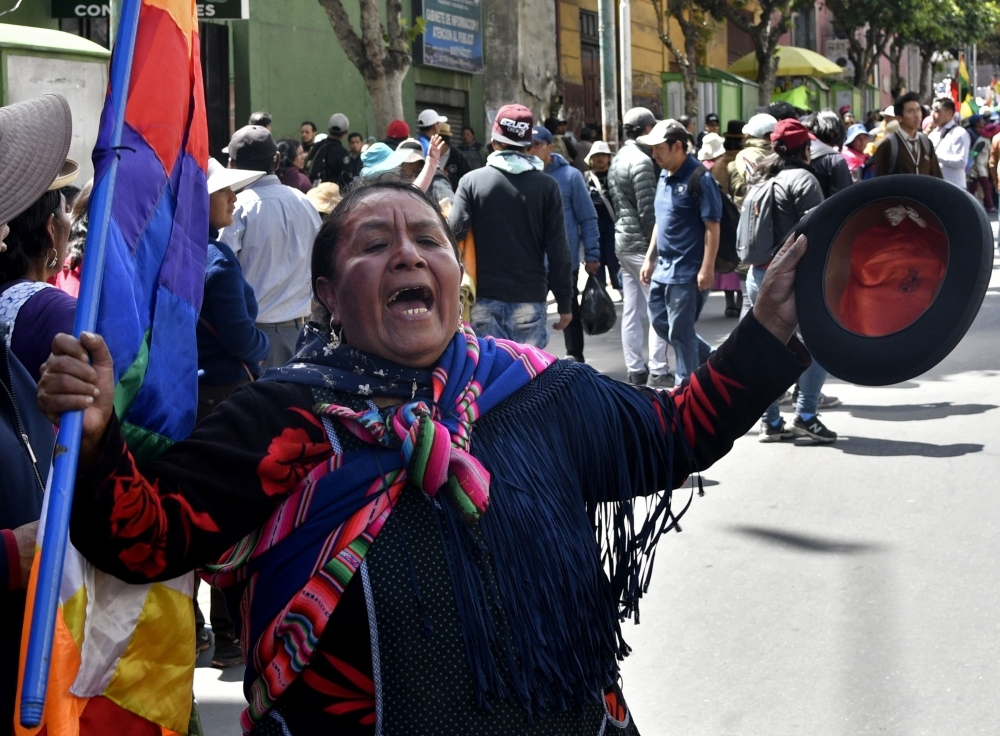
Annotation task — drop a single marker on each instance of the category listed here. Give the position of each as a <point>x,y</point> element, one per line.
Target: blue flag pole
<point>60,501</point>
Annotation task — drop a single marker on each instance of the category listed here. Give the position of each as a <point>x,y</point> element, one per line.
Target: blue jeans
<point>810,383</point>
<point>673,310</point>
<point>523,322</point>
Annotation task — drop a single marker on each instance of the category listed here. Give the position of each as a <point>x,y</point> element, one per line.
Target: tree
<point>771,24</point>
<point>936,26</point>
<point>867,25</point>
<point>696,26</point>
<point>381,53</point>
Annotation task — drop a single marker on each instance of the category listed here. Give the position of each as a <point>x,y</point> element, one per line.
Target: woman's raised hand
<point>79,376</point>
<point>775,304</point>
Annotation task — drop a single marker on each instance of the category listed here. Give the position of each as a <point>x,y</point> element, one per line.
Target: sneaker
<point>574,359</point>
<point>774,433</point>
<point>827,402</point>
<point>203,640</point>
<point>814,429</point>
<point>227,654</point>
<point>787,400</point>
<point>662,380</point>
<point>638,379</point>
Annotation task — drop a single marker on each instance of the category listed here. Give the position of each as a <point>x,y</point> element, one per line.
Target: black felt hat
<point>894,274</point>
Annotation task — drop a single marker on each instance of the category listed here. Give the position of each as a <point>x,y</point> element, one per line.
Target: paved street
<point>839,590</point>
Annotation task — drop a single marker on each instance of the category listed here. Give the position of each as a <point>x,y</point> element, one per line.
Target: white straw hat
<point>219,177</point>
<point>34,140</point>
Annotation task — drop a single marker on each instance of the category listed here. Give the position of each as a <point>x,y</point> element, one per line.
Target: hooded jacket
<point>830,168</point>
<point>515,213</point>
<point>578,211</point>
<point>739,171</point>
<point>632,182</point>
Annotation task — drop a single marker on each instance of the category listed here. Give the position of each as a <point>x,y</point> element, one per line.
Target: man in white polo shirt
<point>272,234</point>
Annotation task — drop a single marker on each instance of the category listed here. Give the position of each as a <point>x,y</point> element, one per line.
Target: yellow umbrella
<point>793,61</point>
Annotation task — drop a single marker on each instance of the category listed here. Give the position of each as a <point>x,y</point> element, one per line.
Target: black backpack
<point>726,260</point>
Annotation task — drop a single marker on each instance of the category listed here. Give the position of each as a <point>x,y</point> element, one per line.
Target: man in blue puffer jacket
<point>581,227</point>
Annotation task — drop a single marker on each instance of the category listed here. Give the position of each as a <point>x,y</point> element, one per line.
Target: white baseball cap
<point>427,118</point>
<point>760,125</point>
<point>219,177</point>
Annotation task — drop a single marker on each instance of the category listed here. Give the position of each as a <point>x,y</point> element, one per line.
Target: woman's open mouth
<point>411,301</point>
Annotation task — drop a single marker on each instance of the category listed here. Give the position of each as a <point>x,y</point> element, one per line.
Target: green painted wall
<point>288,61</point>
<point>32,13</point>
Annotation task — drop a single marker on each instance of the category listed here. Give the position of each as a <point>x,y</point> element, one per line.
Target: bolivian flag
<point>123,658</point>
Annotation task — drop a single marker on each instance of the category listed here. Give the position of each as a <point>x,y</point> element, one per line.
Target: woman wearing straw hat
<point>26,437</point>
<point>36,249</point>
<point>598,158</point>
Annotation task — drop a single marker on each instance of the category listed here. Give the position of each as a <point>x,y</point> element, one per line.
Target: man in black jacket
<point>26,437</point>
<point>514,211</point>
<point>330,161</point>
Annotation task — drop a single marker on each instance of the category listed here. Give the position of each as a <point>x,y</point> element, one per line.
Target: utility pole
<point>114,15</point>
<point>625,43</point>
<point>609,89</point>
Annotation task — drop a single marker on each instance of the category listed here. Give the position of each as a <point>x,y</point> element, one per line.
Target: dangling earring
<point>55,259</point>
<point>461,323</point>
<point>334,335</point>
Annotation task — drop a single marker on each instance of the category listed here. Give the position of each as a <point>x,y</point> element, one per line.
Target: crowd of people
<point>356,261</point>
<point>488,582</point>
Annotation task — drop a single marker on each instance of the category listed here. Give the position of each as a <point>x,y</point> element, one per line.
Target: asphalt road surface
<point>833,591</point>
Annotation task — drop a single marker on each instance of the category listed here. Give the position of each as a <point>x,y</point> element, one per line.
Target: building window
<point>738,41</point>
<point>93,29</point>
<point>804,29</point>
<point>590,63</point>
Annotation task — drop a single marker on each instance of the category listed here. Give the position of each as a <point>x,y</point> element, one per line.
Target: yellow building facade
<point>579,59</point>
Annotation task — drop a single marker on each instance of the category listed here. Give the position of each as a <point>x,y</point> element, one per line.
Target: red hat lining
<point>885,267</point>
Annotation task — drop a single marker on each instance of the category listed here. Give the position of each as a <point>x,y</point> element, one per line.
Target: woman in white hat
<point>230,351</point>
<point>598,158</point>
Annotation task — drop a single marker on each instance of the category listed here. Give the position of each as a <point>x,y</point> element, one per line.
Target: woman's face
<point>859,143</point>
<point>300,158</point>
<point>396,280</point>
<point>221,205</point>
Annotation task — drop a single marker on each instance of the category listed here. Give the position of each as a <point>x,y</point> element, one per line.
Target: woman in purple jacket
<point>36,250</point>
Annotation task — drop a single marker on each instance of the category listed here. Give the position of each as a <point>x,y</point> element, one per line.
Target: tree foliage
<point>868,26</point>
<point>937,26</point>
<point>697,26</point>
<point>765,26</point>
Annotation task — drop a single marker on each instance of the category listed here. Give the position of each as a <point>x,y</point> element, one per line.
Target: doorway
<point>218,91</point>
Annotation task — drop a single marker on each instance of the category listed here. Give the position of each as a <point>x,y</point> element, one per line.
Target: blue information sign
<point>453,36</point>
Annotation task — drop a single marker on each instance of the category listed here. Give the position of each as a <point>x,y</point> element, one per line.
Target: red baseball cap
<point>398,129</point>
<point>792,133</point>
<point>512,125</point>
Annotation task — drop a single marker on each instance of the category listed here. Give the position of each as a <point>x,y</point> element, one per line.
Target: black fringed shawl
<point>568,454</point>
